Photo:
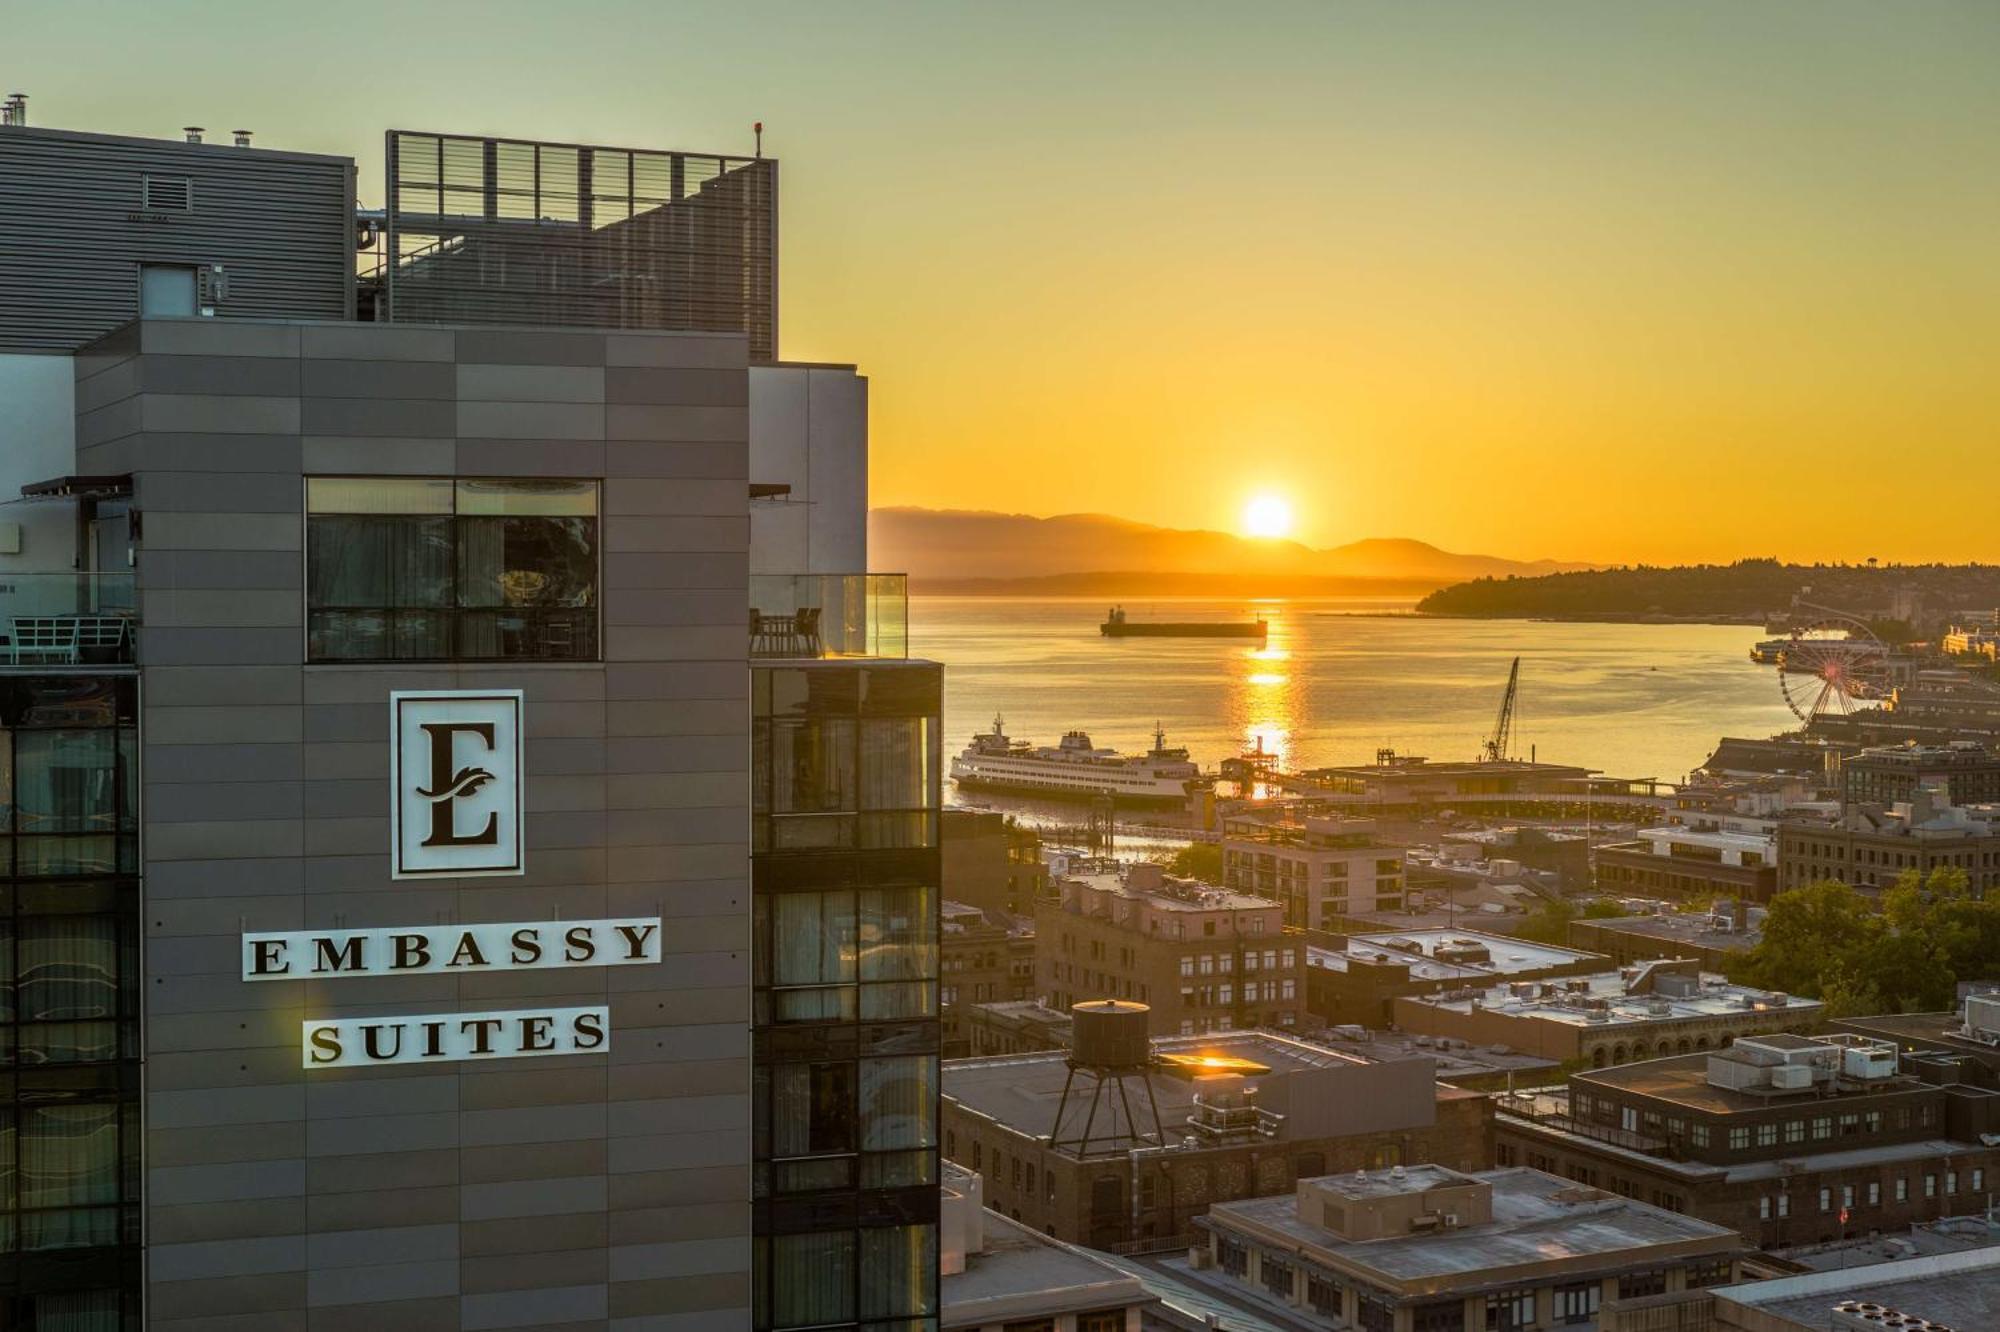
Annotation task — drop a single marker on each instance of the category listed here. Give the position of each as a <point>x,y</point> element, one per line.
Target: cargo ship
<point>1074,769</point>
<point>1117,626</point>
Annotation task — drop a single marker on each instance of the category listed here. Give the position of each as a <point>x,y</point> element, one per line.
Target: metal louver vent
<point>166,194</point>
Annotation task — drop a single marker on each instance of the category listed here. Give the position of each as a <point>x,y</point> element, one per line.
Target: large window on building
<point>69,998</point>
<point>846,759</point>
<point>436,569</point>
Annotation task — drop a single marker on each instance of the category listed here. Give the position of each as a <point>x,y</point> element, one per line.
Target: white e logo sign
<point>455,782</point>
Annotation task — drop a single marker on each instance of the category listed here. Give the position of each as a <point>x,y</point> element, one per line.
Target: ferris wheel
<point>1831,666</point>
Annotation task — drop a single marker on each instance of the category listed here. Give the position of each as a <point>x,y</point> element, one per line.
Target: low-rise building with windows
<point>1205,959</point>
<point>1357,978</point>
<point>991,861</point>
<point>1788,1139</point>
<point>985,957</point>
<point>1871,846</point>
<point>1324,870</point>
<point>1692,861</point>
<point>1431,1249</point>
<point>1960,772</point>
<point>1016,1026</point>
<point>1667,1006</point>
<point>1238,1115</point>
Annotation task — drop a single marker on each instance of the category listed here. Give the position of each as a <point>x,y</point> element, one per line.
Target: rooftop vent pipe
<point>242,138</point>
<point>15,112</point>
<point>193,133</point>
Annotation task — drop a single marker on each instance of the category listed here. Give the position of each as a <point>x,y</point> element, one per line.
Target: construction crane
<point>1502,739</point>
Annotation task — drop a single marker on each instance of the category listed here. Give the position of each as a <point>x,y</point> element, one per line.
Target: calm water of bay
<point>1632,700</point>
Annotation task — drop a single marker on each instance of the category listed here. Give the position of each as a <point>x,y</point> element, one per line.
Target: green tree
<point>1807,931</point>
<point>1549,924</point>
<point>1903,954</point>
<point>1198,860</point>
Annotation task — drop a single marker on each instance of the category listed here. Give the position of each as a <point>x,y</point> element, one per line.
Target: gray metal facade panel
<point>281,224</point>
<point>478,1194</point>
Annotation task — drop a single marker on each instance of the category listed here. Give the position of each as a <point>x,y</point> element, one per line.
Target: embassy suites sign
<point>456,810</point>
<point>450,949</point>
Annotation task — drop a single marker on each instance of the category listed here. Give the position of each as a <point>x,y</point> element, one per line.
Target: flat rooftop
<point>1456,1060</point>
<point>1418,947</point>
<point>1024,1091</point>
<point>1683,1080</point>
<point>1394,1182</point>
<point>1538,1220</point>
<point>1508,953</point>
<point>1959,1290</point>
<point>1175,894</point>
<point>1695,928</point>
<point>1017,1263</point>
<point>1952,1234</point>
<point>1189,1297</point>
<point>1720,839</point>
<point>1603,1000</point>
<point>1027,1009</point>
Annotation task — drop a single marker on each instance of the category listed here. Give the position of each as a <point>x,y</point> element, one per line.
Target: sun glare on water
<point>1267,516</point>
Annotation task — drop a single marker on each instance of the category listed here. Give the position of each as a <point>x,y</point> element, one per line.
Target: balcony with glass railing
<point>809,616</point>
<point>63,620</point>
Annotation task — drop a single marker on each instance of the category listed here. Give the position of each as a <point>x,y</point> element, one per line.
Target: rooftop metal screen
<point>510,231</point>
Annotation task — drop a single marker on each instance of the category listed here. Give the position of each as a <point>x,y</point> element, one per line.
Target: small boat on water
<point>1117,626</point>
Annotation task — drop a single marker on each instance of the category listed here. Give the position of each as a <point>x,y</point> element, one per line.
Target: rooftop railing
<point>829,615</point>
<point>67,619</point>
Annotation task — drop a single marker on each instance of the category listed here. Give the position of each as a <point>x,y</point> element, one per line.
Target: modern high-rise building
<point>383,938</point>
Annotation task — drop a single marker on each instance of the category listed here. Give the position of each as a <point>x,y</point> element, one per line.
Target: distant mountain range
<point>962,550</point>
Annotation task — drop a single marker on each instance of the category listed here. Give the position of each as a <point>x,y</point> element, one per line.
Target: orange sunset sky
<point>1591,280</point>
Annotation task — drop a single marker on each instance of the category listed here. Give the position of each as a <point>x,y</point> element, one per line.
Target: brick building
<point>1020,1026</point>
<point>990,861</point>
<point>1357,978</point>
<point>1870,846</point>
<point>1788,1139</point>
<point>1963,772</point>
<point>1247,1114</point>
<point>984,957</point>
<point>1429,1248</point>
<point>1661,1007</point>
<point>1322,869</point>
<point>1206,959</point>
<point>1681,861</point>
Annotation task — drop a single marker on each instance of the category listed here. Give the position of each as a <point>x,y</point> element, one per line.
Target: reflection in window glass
<point>66,780</point>
<point>898,1271</point>
<point>895,764</point>
<point>812,765</point>
<point>812,1279</point>
<point>813,937</point>
<point>68,1160</point>
<point>898,1102</point>
<point>812,1108</point>
<point>410,568</point>
<point>909,999</point>
<point>898,933</point>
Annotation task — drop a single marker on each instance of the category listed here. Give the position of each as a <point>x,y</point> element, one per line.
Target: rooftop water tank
<point>1110,1034</point>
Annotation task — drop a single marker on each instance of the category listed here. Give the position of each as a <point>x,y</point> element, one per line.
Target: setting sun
<point>1267,516</point>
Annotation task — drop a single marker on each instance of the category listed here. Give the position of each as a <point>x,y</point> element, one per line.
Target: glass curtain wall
<point>846,790</point>
<point>69,1003</point>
